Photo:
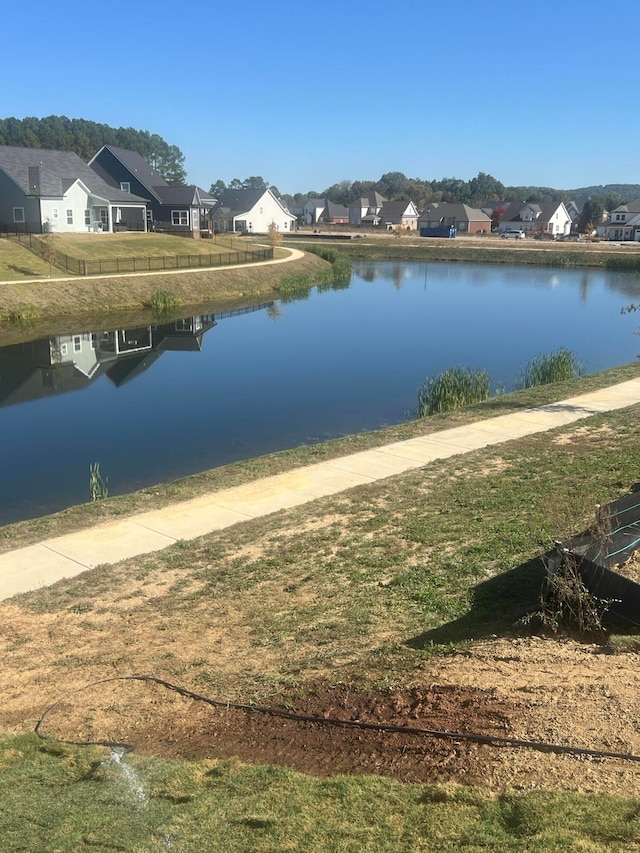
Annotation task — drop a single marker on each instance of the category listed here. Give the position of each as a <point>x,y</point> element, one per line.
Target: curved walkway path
<point>295,255</point>
<point>66,556</point>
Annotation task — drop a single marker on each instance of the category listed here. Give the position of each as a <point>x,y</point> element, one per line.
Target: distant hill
<point>626,192</point>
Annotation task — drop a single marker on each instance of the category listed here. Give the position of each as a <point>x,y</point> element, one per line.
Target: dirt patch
<point>165,724</point>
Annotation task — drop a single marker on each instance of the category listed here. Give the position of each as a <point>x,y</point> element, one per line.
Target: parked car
<point>570,238</point>
<point>512,235</point>
<point>544,235</point>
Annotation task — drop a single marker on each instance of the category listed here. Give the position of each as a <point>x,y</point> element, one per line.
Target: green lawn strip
<point>17,262</point>
<point>88,247</point>
<point>410,248</point>
<point>85,515</point>
<point>56,797</point>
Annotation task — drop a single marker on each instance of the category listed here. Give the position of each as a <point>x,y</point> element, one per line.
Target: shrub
<point>456,387</point>
<point>23,316</point>
<point>556,366</point>
<point>163,302</point>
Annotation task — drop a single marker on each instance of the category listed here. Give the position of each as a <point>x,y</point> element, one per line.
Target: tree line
<point>477,192</point>
<point>86,138</point>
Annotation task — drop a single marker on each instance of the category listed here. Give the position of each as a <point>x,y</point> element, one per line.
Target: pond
<point>158,402</point>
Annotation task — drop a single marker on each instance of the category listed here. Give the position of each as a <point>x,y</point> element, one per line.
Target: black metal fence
<point>103,266</point>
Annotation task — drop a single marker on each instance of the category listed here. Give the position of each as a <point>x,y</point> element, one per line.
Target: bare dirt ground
<point>536,689</point>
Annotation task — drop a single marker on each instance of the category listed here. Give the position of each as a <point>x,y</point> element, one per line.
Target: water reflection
<point>71,362</point>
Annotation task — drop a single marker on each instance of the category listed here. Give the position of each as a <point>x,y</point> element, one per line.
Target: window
<point>18,214</point>
<point>69,217</point>
<point>87,217</point>
<point>77,343</point>
<point>179,217</point>
<point>125,186</point>
<point>63,349</point>
<point>55,212</point>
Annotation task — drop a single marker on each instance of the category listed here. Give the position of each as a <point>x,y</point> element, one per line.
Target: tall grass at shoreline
<point>452,389</point>
<point>557,366</point>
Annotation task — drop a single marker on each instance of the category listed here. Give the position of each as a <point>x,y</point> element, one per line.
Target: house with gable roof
<point>366,210</point>
<point>43,189</point>
<point>465,219</point>
<point>251,212</point>
<point>180,210</point>
<point>399,214</point>
<point>624,222</point>
<point>536,219</point>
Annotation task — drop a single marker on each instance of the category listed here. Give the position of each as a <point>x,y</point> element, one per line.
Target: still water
<point>155,403</point>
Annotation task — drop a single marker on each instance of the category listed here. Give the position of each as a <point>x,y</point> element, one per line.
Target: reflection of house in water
<point>63,363</point>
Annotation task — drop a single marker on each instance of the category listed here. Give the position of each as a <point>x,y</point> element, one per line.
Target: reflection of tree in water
<point>368,272</point>
<point>274,311</point>
<point>396,276</point>
<point>584,287</point>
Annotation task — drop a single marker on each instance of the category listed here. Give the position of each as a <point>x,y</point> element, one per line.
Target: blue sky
<point>308,94</point>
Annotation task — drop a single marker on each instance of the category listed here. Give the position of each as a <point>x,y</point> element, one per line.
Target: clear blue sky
<point>308,94</point>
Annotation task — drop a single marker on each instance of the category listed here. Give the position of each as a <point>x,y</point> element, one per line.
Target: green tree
<point>591,215</point>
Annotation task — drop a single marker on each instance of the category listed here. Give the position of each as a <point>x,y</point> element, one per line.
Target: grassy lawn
<point>130,245</point>
<point>365,587</point>
<point>60,798</point>
<point>18,263</point>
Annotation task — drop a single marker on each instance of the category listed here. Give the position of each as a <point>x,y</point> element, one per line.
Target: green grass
<point>134,245</point>
<point>557,366</point>
<point>17,263</point>
<point>453,389</point>
<point>62,798</point>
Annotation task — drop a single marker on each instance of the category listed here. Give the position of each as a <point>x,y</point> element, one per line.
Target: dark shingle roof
<point>445,210</point>
<point>394,209</point>
<point>44,172</point>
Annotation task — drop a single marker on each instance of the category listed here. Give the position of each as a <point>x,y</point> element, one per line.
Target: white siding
<point>76,200</point>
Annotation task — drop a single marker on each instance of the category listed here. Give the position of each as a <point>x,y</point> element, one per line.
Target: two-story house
<point>181,210</point>
<point>624,222</point>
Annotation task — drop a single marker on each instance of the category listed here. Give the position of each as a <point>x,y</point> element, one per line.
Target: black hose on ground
<point>489,740</point>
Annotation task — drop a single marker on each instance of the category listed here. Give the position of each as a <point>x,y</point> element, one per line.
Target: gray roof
<point>457,210</point>
<point>374,199</point>
<point>336,211</point>
<point>237,202</point>
<point>137,165</point>
<point>545,211</point>
<point>43,172</point>
<point>629,207</point>
<point>394,209</point>
<point>189,195</point>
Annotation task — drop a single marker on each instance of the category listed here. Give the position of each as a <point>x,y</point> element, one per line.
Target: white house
<point>313,210</point>
<point>251,212</point>
<point>624,222</point>
<point>44,189</point>
<point>549,218</point>
<point>366,210</point>
<point>399,214</point>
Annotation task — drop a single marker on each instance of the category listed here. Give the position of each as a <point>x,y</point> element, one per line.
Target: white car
<point>512,235</point>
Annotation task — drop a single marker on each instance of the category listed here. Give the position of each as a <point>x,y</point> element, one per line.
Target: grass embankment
<point>59,798</point>
<point>92,297</point>
<point>361,588</point>
<point>490,250</point>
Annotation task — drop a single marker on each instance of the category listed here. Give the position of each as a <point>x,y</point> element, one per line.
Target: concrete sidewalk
<point>66,556</point>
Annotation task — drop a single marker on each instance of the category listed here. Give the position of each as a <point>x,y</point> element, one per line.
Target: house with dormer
<point>366,210</point>
<point>624,222</point>
<point>551,218</point>
<point>399,214</point>
<point>47,190</point>
<point>182,210</point>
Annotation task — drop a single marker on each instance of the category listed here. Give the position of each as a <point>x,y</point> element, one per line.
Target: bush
<point>163,302</point>
<point>456,387</point>
<point>556,366</point>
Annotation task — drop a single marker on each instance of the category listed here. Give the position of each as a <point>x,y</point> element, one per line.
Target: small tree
<point>274,235</point>
<point>49,251</point>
